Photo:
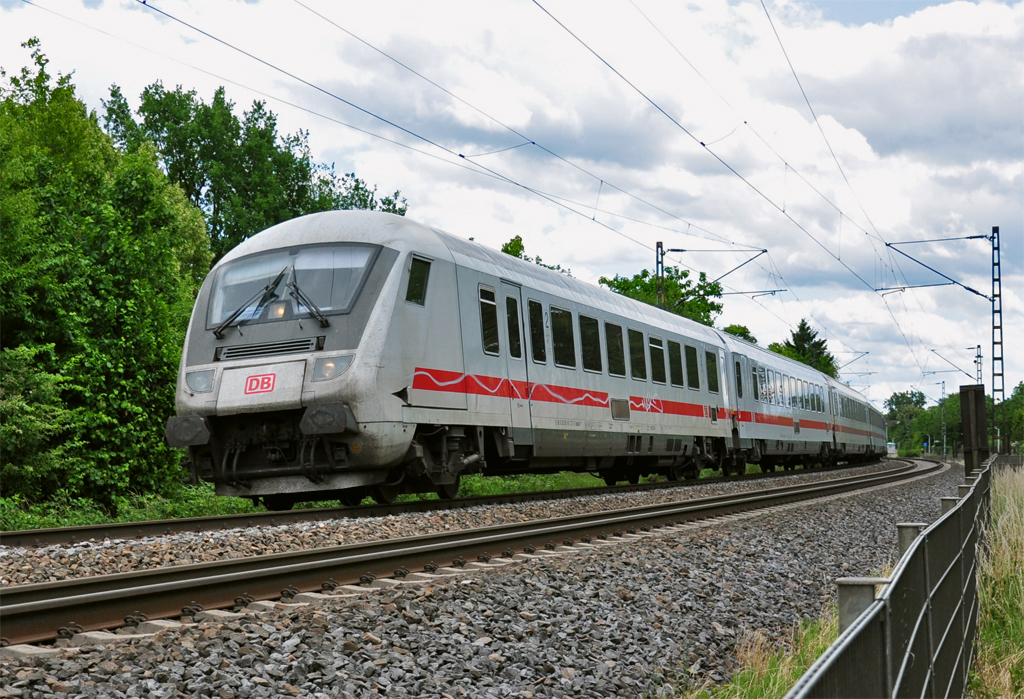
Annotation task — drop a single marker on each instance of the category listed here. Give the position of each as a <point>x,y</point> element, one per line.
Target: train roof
<point>404,234</point>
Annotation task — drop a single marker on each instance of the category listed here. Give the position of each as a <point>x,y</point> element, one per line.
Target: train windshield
<point>330,276</point>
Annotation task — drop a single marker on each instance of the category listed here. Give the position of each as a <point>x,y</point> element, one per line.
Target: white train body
<point>434,356</point>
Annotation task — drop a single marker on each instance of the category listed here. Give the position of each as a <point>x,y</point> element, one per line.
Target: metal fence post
<point>948,504</point>
<point>855,595</point>
<point>908,533</point>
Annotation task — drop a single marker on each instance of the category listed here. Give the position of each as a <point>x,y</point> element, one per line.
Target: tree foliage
<point>239,171</point>
<point>515,248</point>
<point>806,347</point>
<point>741,331</point>
<point>101,260</point>
<point>683,296</point>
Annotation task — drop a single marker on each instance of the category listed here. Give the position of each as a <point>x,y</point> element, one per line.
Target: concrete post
<point>855,595</point>
<point>965,490</point>
<point>908,533</point>
<point>948,504</point>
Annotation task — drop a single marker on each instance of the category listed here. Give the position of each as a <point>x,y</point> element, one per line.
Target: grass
<point>999,666</point>
<point>767,672</point>
<point>199,500</point>
<point>64,511</point>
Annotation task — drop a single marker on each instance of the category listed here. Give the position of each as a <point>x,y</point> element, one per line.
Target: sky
<point>819,130</point>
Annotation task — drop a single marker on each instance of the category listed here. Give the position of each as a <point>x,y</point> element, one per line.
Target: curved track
<point>138,530</point>
<point>31,613</point>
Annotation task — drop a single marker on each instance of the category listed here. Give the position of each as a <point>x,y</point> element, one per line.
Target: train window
<point>562,341</point>
<point>762,380</point>
<point>515,342</point>
<point>537,344</point>
<point>418,273</point>
<point>637,361</point>
<point>780,389</point>
<point>739,380</point>
<point>489,321</point>
<point>754,383</point>
<point>616,350</point>
<point>711,364</point>
<point>675,363</point>
<point>692,370</point>
<point>657,359</point>
<point>590,343</point>
<point>769,386</point>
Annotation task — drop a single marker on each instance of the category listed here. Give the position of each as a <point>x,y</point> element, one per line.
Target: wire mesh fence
<point>915,638</point>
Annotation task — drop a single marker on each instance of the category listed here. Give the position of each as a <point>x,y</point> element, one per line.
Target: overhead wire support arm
<point>740,265</point>
<point>936,353</point>
<point>893,289</point>
<point>941,240</point>
<point>892,246</point>
<point>860,355</point>
<point>760,292</point>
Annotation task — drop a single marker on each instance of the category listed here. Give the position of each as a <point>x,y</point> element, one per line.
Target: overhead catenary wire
<point>893,263</point>
<point>530,141</point>
<point>353,127</point>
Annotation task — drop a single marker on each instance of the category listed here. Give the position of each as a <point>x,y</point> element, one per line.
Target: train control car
<point>349,353</point>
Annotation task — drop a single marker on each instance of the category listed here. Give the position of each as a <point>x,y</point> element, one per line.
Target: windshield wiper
<point>264,295</point>
<point>296,292</point>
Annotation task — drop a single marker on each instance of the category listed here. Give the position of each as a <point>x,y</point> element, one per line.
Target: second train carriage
<point>350,352</point>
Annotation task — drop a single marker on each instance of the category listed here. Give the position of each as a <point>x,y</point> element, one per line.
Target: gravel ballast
<point>20,566</point>
<point>637,618</point>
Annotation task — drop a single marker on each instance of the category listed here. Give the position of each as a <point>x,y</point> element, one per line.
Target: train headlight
<point>330,367</point>
<point>200,381</point>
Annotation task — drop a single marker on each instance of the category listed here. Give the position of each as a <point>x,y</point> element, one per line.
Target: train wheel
<point>676,473</point>
<point>385,494</point>
<point>691,473</point>
<point>633,478</point>
<point>610,479</point>
<point>278,502</point>
<point>449,491</point>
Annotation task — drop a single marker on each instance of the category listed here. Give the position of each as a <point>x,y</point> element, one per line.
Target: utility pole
<point>998,385</point>
<point>659,273</point>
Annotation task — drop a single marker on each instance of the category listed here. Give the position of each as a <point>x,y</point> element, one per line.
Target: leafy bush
<point>101,260</point>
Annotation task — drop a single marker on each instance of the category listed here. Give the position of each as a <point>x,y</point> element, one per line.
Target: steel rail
<point>137,530</point>
<point>32,613</point>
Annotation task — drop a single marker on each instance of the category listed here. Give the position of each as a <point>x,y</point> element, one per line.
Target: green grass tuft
<point>768,672</point>
<point>999,667</point>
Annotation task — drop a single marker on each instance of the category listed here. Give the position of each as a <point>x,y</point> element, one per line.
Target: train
<point>352,353</point>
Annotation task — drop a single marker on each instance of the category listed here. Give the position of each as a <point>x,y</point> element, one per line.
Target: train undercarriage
<point>272,458</point>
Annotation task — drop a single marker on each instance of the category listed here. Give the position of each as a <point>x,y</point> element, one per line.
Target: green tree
<point>101,260</point>
<point>683,296</point>
<point>805,346</point>
<point>515,248</point>
<point>741,331</point>
<point>240,172</point>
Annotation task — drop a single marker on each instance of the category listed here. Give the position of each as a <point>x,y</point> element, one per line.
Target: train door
<point>834,416</point>
<point>518,371</point>
<point>744,410</point>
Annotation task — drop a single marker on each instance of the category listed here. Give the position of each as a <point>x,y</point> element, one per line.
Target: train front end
<point>276,396</point>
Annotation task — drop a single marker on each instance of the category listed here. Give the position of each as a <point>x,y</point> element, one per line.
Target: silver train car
<point>349,353</point>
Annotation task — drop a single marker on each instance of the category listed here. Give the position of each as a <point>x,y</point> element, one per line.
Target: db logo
<point>262,383</point>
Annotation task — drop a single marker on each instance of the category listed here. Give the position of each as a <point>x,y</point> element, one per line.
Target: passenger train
<point>349,353</point>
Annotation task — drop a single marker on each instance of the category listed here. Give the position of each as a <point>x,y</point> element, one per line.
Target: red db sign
<point>261,383</point>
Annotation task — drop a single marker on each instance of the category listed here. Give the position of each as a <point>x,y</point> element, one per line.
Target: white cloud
<point>925,112</point>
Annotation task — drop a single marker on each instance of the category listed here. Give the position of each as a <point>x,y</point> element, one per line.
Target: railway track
<point>33,613</point>
<point>138,530</point>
